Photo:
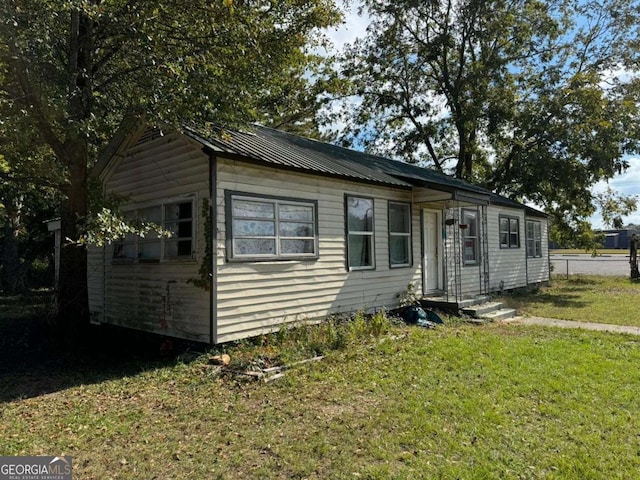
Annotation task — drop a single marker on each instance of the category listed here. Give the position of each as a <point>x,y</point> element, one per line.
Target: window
<point>175,217</point>
<point>509,232</point>
<point>470,236</point>
<point>263,228</point>
<point>149,246</point>
<point>360,241</point>
<point>534,238</point>
<point>399,234</point>
<point>178,219</point>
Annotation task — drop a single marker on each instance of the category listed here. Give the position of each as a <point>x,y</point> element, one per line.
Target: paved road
<point>588,265</point>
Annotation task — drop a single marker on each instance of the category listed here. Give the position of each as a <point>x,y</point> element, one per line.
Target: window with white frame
<point>470,239</point>
<point>399,234</point>
<point>360,238</point>
<point>174,216</point>
<point>509,232</point>
<point>534,238</point>
<point>270,228</point>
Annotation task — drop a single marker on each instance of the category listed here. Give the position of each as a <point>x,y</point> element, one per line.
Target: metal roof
<point>295,152</point>
<point>497,199</point>
<point>276,147</point>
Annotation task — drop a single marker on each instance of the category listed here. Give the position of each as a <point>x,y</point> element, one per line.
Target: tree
<point>302,91</point>
<point>75,68</point>
<point>27,199</point>
<point>613,207</point>
<point>526,97</point>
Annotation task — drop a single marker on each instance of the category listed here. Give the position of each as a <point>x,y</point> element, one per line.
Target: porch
<point>479,309</point>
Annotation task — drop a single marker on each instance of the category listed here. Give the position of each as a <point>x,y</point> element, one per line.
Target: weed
<point>408,297</point>
<point>357,326</point>
<point>379,323</point>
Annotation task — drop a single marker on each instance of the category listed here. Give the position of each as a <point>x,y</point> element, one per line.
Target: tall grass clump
<point>304,339</point>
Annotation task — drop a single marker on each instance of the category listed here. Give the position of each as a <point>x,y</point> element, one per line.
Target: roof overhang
<point>471,198</point>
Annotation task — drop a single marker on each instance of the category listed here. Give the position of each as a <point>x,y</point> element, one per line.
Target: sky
<point>628,183</point>
<point>625,184</point>
<point>354,26</point>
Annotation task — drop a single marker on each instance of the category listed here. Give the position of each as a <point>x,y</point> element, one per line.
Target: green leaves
<point>533,99</point>
<point>71,70</point>
<point>614,207</point>
<point>214,61</point>
<point>107,226</point>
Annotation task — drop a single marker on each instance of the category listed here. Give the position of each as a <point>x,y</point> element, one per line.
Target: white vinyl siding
<point>157,296</point>
<point>538,267</point>
<point>507,266</point>
<point>461,245</point>
<point>257,297</point>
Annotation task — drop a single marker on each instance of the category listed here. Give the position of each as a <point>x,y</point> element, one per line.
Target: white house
<point>283,228</point>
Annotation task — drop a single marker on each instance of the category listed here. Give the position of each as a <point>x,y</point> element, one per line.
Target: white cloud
<point>620,75</point>
<point>353,26</point>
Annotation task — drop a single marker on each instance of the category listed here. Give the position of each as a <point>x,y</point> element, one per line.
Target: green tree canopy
<point>527,97</point>
<point>28,194</point>
<point>75,68</point>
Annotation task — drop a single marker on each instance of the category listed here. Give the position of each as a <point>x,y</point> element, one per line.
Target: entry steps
<point>487,312</point>
<point>479,309</point>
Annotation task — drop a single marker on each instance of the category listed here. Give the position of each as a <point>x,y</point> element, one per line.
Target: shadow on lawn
<point>561,301</point>
<point>555,299</point>
<point>33,362</point>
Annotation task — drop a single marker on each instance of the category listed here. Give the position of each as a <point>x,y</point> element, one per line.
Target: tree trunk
<point>464,166</point>
<point>462,153</point>
<point>12,273</point>
<point>73,299</point>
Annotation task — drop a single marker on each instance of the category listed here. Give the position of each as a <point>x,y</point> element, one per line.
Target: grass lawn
<point>458,402</point>
<point>583,298</point>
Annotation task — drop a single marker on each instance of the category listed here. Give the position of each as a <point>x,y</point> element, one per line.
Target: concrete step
<point>481,309</point>
<point>450,303</point>
<point>502,314</point>
<point>489,312</point>
<point>471,302</point>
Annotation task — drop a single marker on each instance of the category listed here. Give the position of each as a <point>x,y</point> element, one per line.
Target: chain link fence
<point>615,265</point>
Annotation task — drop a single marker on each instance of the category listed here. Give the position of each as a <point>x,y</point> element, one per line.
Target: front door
<point>431,263</point>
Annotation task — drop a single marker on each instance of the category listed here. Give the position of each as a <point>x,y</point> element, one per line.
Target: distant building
<point>616,238</point>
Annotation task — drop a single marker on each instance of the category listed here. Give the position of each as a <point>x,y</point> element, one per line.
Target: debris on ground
<point>273,373</point>
<point>416,315</point>
<point>223,359</point>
